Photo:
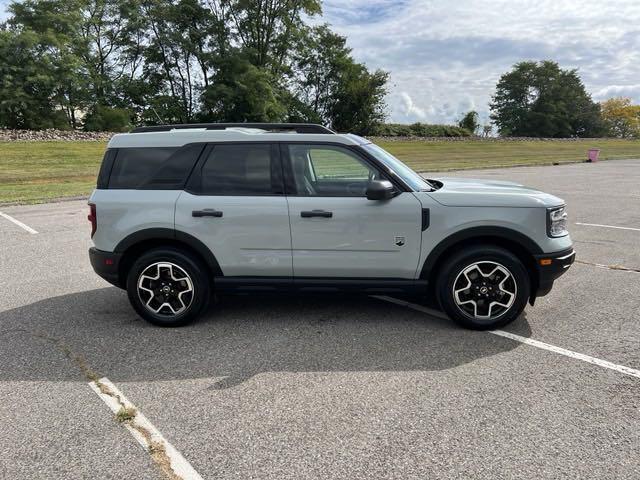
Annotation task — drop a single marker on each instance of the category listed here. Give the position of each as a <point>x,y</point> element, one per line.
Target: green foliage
<point>543,100</point>
<point>27,80</point>
<point>419,130</point>
<point>242,92</point>
<point>178,61</point>
<point>470,122</point>
<point>107,119</point>
<point>337,90</point>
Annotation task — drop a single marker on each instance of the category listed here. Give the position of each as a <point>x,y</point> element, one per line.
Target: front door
<point>335,230</point>
<point>235,204</point>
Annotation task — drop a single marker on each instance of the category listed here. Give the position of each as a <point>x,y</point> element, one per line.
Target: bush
<point>107,119</point>
<point>419,130</point>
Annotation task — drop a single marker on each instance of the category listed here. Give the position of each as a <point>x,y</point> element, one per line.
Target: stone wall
<point>52,135</point>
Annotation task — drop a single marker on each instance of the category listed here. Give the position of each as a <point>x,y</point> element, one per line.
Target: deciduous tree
<point>543,100</point>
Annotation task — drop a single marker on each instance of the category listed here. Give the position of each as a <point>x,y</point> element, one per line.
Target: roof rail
<point>284,127</point>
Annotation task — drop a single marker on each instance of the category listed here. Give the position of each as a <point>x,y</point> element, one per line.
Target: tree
<point>543,100</point>
<point>470,122</point>
<point>93,63</point>
<point>621,118</point>
<point>268,30</point>
<point>242,92</point>
<point>27,80</point>
<point>335,89</point>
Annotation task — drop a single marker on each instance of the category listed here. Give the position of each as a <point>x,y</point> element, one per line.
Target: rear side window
<point>239,170</point>
<point>158,168</point>
<point>133,167</point>
<point>105,169</point>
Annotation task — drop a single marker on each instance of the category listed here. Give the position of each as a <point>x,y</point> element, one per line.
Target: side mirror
<point>380,190</point>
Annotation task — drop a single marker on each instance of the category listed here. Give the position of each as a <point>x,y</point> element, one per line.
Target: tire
<point>178,295</point>
<point>483,287</point>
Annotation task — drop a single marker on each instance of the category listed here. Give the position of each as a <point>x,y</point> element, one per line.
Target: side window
<point>238,170</point>
<point>173,173</point>
<point>327,170</point>
<point>133,167</point>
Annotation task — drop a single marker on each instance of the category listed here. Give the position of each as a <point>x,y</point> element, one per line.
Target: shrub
<point>419,130</point>
<point>107,119</point>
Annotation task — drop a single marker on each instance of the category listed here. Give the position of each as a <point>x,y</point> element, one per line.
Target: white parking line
<point>527,341</point>
<point>608,226</point>
<point>19,223</point>
<point>115,400</point>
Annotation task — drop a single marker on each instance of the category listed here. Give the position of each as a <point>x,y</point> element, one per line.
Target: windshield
<point>410,177</point>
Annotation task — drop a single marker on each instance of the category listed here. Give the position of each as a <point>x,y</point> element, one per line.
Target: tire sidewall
<point>454,267</point>
<point>190,265</point>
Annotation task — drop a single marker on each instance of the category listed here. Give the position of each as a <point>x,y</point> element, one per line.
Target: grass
<point>126,414</point>
<point>461,155</point>
<point>32,172</point>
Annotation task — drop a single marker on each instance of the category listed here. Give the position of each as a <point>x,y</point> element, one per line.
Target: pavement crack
<point>126,415</point>
<point>610,267</point>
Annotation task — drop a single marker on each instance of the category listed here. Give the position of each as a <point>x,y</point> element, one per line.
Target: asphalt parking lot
<point>327,388</point>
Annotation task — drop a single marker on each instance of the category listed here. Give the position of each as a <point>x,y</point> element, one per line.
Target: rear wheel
<point>168,287</point>
<point>483,287</point>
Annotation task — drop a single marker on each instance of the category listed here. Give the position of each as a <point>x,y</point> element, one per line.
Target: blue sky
<point>445,57</point>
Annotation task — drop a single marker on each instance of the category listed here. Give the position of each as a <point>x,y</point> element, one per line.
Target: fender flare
<point>159,234</point>
<point>513,236</point>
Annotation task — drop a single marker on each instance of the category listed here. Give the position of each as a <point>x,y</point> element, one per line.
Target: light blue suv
<point>183,211</point>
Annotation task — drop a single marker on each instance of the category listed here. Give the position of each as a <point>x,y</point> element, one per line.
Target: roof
<point>178,135</point>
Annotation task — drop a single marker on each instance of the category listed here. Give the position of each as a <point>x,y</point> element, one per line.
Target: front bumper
<point>106,265</point>
<point>550,266</point>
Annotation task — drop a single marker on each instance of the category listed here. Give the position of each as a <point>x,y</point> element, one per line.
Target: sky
<point>445,57</point>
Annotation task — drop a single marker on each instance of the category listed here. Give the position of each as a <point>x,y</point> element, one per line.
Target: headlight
<point>557,221</point>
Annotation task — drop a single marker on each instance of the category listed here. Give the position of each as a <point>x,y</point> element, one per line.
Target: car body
<point>299,208</point>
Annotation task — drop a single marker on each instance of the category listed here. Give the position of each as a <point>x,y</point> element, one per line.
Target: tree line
<point>111,64</point>
<point>107,64</point>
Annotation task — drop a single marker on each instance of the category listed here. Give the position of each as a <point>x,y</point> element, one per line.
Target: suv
<point>183,211</point>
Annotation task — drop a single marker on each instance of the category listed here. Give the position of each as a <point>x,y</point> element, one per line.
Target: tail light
<point>93,218</point>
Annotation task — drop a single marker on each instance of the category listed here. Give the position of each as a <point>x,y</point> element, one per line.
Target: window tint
<point>238,170</point>
<point>326,170</point>
<point>173,173</point>
<point>105,169</point>
<point>133,167</point>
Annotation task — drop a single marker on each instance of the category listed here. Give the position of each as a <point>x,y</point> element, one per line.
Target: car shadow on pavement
<point>238,338</point>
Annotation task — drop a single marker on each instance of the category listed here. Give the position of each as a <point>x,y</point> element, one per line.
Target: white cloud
<point>446,57</point>
<point>410,110</point>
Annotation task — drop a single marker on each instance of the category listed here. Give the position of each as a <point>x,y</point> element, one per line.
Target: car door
<point>335,230</point>
<point>235,204</point>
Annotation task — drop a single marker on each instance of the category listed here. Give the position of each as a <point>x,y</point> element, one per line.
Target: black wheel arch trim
<point>159,234</point>
<point>477,232</point>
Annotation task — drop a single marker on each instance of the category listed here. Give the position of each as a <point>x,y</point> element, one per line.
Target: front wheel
<point>483,287</point>
<point>168,287</point>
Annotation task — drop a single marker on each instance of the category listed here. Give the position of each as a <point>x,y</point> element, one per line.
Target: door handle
<point>207,212</point>
<point>316,213</point>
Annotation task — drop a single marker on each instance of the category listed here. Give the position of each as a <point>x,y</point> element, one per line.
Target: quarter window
<point>134,167</point>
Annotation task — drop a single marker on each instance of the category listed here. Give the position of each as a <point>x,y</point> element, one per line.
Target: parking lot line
<point>19,223</point>
<point>527,341</point>
<point>608,226</point>
<point>144,431</point>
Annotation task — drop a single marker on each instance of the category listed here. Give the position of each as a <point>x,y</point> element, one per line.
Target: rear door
<point>335,230</point>
<point>235,204</point>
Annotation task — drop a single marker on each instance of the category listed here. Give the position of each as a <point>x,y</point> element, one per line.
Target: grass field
<point>32,172</point>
